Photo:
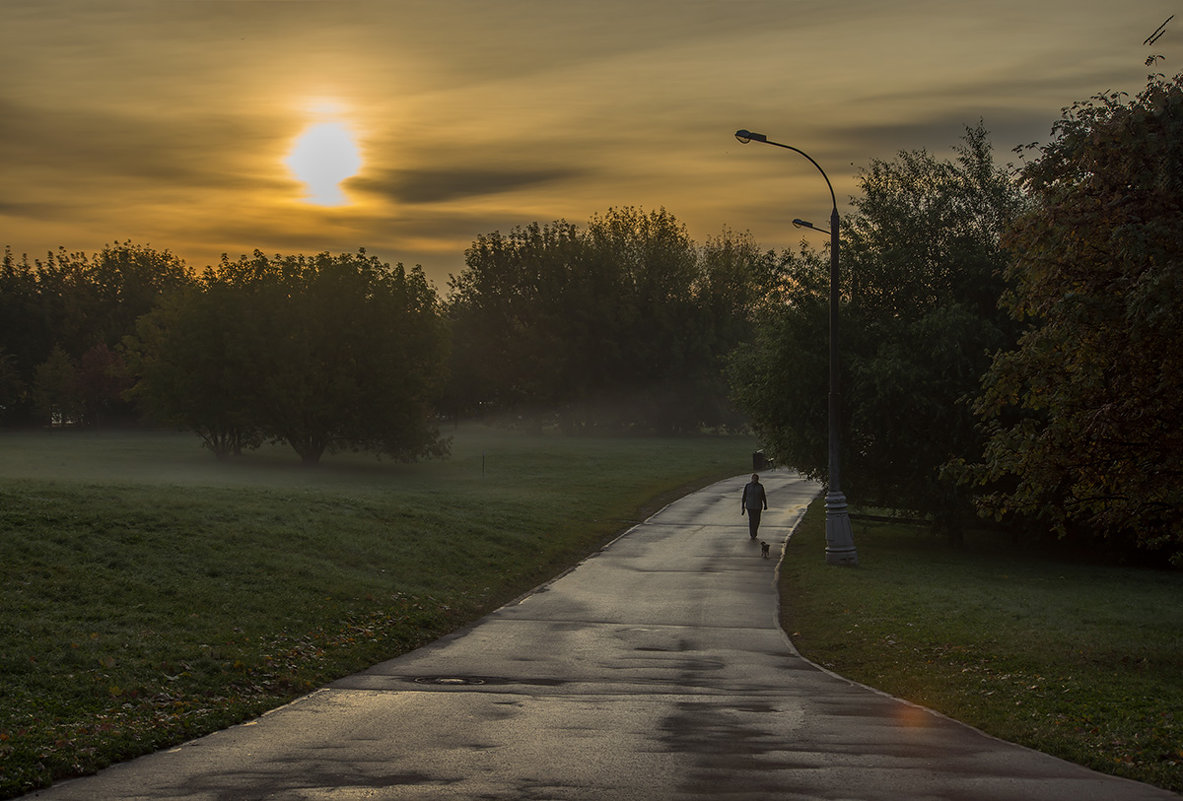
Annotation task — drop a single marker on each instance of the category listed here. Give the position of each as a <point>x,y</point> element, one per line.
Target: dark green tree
<point>621,325</point>
<point>102,379</point>
<point>644,356</point>
<point>12,388</point>
<point>921,261</point>
<point>323,353</point>
<point>197,365</point>
<point>780,377</point>
<point>734,277</point>
<point>24,336</point>
<point>506,310</point>
<point>83,305</point>
<point>57,392</point>
<point>1086,415</point>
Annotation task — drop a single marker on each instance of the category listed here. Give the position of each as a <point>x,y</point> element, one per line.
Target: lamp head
<point>799,223</point>
<point>745,136</point>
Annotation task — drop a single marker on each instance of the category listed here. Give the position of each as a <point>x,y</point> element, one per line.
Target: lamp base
<point>839,536</point>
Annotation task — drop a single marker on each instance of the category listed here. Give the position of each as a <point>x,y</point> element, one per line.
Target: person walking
<point>754,502</point>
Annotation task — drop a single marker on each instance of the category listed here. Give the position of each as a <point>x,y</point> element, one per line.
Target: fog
<point>122,457</point>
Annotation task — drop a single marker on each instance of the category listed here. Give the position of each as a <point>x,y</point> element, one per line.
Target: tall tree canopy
<point>625,323</point>
<point>1086,414</point>
<point>921,268</point>
<point>61,319</point>
<point>320,352</point>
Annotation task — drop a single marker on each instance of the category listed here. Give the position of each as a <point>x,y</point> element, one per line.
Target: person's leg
<point>753,521</point>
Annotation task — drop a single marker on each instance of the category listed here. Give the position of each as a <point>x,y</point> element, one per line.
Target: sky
<point>209,126</point>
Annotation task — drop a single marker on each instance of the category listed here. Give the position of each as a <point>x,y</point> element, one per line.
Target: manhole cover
<point>453,681</point>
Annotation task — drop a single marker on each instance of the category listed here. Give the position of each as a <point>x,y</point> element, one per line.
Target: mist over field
<point>102,457</point>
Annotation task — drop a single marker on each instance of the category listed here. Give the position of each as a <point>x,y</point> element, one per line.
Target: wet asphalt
<point>655,669</point>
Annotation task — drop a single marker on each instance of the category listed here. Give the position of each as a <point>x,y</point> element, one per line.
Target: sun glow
<point>324,155</point>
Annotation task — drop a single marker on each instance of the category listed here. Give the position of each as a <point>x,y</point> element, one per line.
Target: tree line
<point>622,326</point>
<point>1009,335</point>
<point>625,324</point>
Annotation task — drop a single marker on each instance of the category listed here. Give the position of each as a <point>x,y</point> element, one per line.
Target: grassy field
<point>1082,661</point>
<point>149,594</point>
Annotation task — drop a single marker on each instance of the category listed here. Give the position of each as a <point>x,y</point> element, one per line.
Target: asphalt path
<point>655,669</point>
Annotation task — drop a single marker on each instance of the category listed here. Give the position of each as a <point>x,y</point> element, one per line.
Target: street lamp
<point>839,537</point>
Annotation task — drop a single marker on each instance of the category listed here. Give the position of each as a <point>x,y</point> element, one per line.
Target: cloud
<point>938,132</point>
<point>41,209</point>
<point>448,184</point>
<point>95,146</point>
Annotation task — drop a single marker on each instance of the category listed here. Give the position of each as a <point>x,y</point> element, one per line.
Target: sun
<point>325,154</point>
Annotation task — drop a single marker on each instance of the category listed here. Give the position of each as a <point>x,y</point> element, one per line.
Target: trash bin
<point>759,461</point>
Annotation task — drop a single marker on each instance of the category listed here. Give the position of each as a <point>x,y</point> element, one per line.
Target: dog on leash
<point>764,549</point>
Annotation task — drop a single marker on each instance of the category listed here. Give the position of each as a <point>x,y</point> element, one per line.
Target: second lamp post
<point>839,536</point>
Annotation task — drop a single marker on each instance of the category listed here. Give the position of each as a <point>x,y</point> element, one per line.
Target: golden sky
<point>172,123</point>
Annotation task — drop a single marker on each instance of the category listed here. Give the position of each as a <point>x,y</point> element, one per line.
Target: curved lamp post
<point>839,537</point>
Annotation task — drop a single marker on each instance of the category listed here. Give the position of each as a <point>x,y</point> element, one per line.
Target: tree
<point>101,381</point>
<point>921,262</point>
<point>56,390</point>
<point>323,353</point>
<point>507,311</point>
<point>26,332</point>
<point>780,378</point>
<point>197,365</point>
<point>12,388</point>
<point>733,276</point>
<point>644,356</point>
<point>1085,415</point>
<point>622,325</point>
<point>82,304</point>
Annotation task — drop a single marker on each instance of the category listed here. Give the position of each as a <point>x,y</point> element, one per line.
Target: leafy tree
<point>733,276</point>
<point>96,299</point>
<point>120,284</point>
<point>506,309</point>
<point>101,381</point>
<point>321,352</point>
<point>56,390</point>
<point>197,366</point>
<point>780,378</point>
<point>641,363</point>
<point>623,324</point>
<point>26,334</point>
<point>921,263</point>
<point>12,388</point>
<point>1086,414</point>
<point>82,304</point>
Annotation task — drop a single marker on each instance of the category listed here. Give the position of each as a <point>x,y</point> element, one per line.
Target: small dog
<point>764,549</point>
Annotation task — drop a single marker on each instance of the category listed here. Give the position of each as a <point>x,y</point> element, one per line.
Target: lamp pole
<point>840,548</point>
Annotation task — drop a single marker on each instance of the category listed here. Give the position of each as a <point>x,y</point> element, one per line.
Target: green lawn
<point>1083,661</point>
<point>149,594</point>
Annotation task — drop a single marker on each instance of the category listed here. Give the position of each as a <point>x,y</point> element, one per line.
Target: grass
<point>149,594</point>
<point>1083,661</point>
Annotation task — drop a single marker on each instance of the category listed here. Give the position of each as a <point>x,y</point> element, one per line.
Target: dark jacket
<point>753,496</point>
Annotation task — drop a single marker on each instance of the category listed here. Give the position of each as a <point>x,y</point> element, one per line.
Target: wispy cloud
<point>452,184</point>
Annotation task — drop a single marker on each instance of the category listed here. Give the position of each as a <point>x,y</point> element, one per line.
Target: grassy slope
<point>149,594</point>
<point>1078,660</point>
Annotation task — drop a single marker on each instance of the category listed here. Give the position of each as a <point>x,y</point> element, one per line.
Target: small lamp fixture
<point>745,136</point>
